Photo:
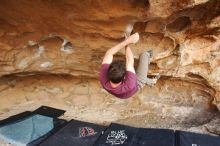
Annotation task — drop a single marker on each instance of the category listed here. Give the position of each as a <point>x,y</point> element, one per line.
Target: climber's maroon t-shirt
<point>126,89</point>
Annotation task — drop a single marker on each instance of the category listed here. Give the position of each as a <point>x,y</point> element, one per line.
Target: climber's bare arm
<point>111,52</point>
<point>129,59</point>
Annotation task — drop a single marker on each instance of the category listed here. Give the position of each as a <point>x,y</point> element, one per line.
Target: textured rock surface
<point>171,103</point>
<point>70,37</point>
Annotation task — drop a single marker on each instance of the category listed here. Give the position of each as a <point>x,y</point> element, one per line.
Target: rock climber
<point>119,77</point>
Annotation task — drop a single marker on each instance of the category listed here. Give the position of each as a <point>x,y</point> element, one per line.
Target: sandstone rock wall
<point>71,36</point>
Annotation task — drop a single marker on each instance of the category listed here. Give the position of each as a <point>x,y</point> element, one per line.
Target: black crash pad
<point>75,133</point>
<point>195,139</point>
<point>49,111</point>
<point>122,135</point>
<point>117,134</point>
<point>154,137</point>
<point>17,120</point>
<point>29,129</point>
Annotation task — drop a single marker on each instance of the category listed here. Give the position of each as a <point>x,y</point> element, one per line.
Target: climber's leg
<point>142,70</point>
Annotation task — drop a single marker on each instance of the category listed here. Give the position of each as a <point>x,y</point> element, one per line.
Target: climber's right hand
<point>134,38</point>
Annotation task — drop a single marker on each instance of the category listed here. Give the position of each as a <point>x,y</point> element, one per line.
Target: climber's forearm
<point>118,47</point>
<point>111,52</point>
<point>129,59</point>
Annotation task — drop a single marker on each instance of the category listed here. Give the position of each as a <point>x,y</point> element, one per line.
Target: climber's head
<point>116,71</point>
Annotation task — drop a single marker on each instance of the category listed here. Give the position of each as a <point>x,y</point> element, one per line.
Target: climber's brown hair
<point>116,71</point>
